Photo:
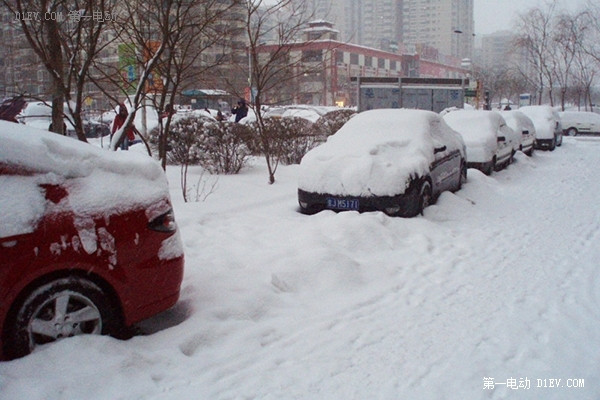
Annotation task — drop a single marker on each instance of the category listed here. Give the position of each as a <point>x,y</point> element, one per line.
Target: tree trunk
<point>56,62</point>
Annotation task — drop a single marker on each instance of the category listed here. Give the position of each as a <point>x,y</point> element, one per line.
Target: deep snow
<point>499,280</point>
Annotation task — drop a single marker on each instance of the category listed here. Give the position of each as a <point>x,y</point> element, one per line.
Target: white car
<point>513,138</point>
<point>579,122</point>
<point>38,114</point>
<point>523,126</point>
<point>548,128</point>
<point>486,136</point>
<point>396,161</point>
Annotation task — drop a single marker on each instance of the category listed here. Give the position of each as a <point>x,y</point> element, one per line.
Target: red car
<point>88,241</point>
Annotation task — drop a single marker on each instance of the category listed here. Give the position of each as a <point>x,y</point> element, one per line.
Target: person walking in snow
<point>241,110</point>
<point>118,123</point>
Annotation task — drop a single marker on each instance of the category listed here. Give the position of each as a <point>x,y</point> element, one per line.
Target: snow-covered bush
<point>183,141</point>
<point>331,122</point>
<point>223,147</point>
<point>219,147</point>
<point>288,139</point>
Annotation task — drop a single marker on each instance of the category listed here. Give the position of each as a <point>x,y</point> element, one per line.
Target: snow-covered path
<point>499,280</point>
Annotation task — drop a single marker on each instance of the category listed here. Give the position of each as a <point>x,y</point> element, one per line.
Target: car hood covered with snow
<point>374,154</point>
<point>98,182</point>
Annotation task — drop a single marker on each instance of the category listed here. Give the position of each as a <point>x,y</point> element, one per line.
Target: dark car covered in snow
<point>392,160</point>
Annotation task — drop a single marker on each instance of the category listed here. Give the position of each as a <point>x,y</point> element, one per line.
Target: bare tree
<point>567,40</point>
<point>66,35</point>
<point>503,81</point>
<point>144,39</point>
<point>193,29</point>
<point>272,28</point>
<point>534,37</point>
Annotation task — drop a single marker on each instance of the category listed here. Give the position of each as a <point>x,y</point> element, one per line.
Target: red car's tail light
<point>164,222</point>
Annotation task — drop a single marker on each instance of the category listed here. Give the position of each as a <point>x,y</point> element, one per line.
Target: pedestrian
<point>241,110</point>
<point>507,108</point>
<point>220,116</point>
<point>118,123</point>
<point>169,110</point>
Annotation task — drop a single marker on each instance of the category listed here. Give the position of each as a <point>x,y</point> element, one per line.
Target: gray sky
<point>496,15</point>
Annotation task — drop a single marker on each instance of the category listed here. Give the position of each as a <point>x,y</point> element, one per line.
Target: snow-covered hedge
<point>288,138</point>
<point>331,122</point>
<point>219,147</point>
<point>223,147</point>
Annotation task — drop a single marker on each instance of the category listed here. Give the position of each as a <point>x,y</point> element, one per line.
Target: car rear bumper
<point>544,143</point>
<point>164,283</point>
<point>404,205</point>
<point>485,167</point>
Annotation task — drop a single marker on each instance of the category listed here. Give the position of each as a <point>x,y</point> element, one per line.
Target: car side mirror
<point>439,149</point>
<point>501,139</point>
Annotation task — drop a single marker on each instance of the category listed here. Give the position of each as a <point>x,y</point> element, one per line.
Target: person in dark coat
<point>240,111</point>
<point>118,123</point>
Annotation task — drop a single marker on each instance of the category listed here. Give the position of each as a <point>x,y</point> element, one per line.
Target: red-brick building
<point>324,67</point>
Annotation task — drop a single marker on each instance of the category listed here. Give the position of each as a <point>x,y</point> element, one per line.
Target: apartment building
<point>497,49</point>
<point>21,71</point>
<point>391,25</point>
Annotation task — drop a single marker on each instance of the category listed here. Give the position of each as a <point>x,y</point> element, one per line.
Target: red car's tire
<point>56,310</point>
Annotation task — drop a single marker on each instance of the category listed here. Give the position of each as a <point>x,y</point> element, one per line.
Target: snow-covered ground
<point>492,294</point>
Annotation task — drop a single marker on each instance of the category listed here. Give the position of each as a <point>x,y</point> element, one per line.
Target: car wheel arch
<point>111,295</point>
<point>424,182</point>
<point>462,179</point>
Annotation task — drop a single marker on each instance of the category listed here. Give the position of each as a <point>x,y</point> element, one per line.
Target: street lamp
<point>458,32</point>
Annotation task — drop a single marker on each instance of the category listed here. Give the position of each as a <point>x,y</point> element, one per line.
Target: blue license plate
<point>342,204</point>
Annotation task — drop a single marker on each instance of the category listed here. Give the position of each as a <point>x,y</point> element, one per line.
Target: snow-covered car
<point>38,114</point>
<point>523,126</point>
<point>513,138</point>
<point>395,161</point>
<point>548,128</point>
<point>579,122</point>
<point>88,240</point>
<point>96,129</point>
<point>486,136</point>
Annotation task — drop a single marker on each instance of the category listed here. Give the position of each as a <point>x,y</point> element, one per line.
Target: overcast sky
<point>497,15</point>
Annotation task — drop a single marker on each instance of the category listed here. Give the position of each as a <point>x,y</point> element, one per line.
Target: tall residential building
<point>447,25</point>
<point>371,23</point>
<point>497,50</point>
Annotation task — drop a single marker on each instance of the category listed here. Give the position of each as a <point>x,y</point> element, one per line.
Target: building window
<point>368,61</point>
<point>312,55</point>
<point>353,59</point>
<point>393,65</point>
<point>381,63</point>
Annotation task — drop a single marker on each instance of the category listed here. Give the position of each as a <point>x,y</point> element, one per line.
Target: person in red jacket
<point>118,123</point>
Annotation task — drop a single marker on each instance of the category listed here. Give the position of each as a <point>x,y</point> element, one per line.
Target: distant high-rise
<point>371,23</point>
<point>447,25</point>
<point>497,51</point>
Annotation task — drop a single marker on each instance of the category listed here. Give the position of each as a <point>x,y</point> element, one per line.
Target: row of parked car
<point>399,161</point>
